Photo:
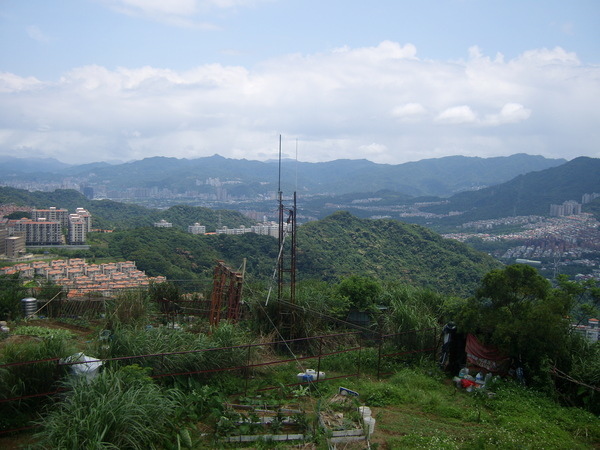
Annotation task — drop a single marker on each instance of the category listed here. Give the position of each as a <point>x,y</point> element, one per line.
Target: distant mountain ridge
<point>10,164</point>
<point>440,177</point>
<point>527,194</point>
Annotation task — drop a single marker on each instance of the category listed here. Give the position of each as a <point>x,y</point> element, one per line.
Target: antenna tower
<point>286,264</point>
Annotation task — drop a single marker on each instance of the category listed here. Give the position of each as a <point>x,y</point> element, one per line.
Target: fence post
<point>360,346</point>
<point>320,353</point>
<point>379,357</point>
<point>247,371</point>
<point>434,343</point>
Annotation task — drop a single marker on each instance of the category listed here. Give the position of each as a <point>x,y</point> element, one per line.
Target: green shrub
<point>117,409</point>
<point>36,377</point>
<point>28,380</point>
<point>179,351</point>
<point>43,332</point>
<point>129,308</point>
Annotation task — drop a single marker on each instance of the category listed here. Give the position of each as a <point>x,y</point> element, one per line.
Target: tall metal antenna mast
<point>279,183</point>
<point>286,264</point>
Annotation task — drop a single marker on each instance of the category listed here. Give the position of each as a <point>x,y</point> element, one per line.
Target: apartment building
<point>591,331</point>
<point>568,208</point>
<point>14,246</point>
<point>197,229</point>
<point>46,225</point>
<point>39,232</point>
<point>163,224</point>
<point>51,214</point>
<point>3,236</point>
<point>77,229</point>
<point>86,217</point>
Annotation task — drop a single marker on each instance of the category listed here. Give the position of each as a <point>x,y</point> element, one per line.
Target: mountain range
<point>532,184</point>
<point>532,193</point>
<point>439,177</point>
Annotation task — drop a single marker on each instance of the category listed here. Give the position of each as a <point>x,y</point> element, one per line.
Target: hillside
<point>337,246</point>
<point>527,194</point>
<point>342,244</point>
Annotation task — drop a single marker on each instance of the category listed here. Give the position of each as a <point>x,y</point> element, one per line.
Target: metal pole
<point>379,357</point>
<point>320,353</point>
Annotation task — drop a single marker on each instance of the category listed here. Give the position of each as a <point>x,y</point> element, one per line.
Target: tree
<point>166,294</point>
<point>517,310</point>
<point>361,292</point>
<point>12,291</point>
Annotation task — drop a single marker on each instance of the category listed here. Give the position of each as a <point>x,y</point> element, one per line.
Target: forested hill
<point>527,194</point>
<point>337,246</point>
<point>342,244</point>
<point>110,214</point>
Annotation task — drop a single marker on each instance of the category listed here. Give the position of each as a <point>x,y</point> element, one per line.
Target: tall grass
<point>36,377</point>
<point>131,308</point>
<point>114,410</point>
<point>410,308</point>
<point>18,380</point>
<point>180,351</point>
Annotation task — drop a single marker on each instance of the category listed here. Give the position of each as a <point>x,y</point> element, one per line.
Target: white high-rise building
<point>197,229</point>
<point>77,229</point>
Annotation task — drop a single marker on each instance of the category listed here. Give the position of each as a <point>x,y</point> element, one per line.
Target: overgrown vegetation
<point>414,407</point>
<point>120,409</point>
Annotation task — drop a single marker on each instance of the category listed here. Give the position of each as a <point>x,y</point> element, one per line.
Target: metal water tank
<point>29,306</point>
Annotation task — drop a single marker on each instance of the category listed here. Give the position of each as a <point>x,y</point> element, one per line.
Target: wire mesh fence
<point>315,359</point>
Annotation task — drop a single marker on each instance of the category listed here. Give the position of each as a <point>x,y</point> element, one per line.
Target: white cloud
<point>510,113</point>
<point>409,111</point>
<point>545,56</point>
<point>35,33</point>
<point>14,83</point>
<point>379,102</point>
<point>457,114</point>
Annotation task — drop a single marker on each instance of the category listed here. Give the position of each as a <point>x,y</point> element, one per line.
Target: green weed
<point>115,410</point>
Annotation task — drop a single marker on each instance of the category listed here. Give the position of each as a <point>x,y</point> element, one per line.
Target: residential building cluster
<point>79,278</point>
<point>568,208</point>
<point>562,239</point>
<point>46,228</point>
<point>591,331</point>
<point>264,229</point>
<point>503,221</point>
<point>587,198</point>
<point>581,230</point>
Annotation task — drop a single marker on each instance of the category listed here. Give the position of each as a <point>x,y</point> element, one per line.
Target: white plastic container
<point>310,375</point>
<point>369,425</point>
<point>364,411</point>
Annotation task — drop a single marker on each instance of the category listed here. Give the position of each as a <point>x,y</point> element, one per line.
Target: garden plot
<point>343,420</point>
<point>241,423</point>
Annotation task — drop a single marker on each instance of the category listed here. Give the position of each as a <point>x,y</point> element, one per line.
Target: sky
<point>390,81</point>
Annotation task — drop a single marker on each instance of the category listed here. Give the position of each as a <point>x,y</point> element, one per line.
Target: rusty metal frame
<point>227,286</point>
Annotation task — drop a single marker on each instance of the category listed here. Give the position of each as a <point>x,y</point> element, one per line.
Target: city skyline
<point>392,82</point>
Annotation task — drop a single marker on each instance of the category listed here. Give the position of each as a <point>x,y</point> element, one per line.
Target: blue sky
<point>390,81</point>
